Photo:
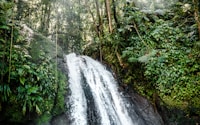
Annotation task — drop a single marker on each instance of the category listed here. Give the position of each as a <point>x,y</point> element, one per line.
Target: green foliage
<point>160,55</point>
<point>175,74</point>
<point>170,60</point>
<point>32,87</point>
<point>59,102</point>
<point>44,118</point>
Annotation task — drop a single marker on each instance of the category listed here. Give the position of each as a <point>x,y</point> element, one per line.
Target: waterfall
<point>94,98</point>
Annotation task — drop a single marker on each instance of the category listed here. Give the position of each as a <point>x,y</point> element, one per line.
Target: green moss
<point>175,103</point>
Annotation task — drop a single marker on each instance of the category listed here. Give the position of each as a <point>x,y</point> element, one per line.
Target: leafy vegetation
<point>167,50</point>
<point>28,87</point>
<point>158,55</point>
<point>154,52</point>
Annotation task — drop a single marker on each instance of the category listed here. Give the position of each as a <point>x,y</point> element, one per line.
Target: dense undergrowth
<point>28,85</point>
<point>158,56</point>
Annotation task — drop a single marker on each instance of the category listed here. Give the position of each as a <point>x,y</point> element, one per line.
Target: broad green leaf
<point>24,108</point>
<point>20,71</point>
<point>27,66</point>
<point>38,109</point>
<point>32,90</point>
<point>120,30</point>
<point>38,78</point>
<point>22,80</point>
<point>2,41</point>
<point>132,59</point>
<point>4,27</point>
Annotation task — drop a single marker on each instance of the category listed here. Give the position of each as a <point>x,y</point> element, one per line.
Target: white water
<point>89,76</point>
<point>78,109</point>
<point>109,102</point>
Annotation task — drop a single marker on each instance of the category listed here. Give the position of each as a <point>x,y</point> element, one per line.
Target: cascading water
<point>94,98</point>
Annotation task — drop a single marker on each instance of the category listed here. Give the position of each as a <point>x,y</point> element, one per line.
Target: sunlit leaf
<point>4,27</point>
<point>38,109</point>
<point>20,71</point>
<point>24,108</point>
<point>27,66</point>
<point>32,90</point>
<point>22,80</point>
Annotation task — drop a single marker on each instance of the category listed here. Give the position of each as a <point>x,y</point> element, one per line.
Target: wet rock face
<point>138,108</point>
<point>61,119</point>
<point>144,108</point>
<point>95,98</point>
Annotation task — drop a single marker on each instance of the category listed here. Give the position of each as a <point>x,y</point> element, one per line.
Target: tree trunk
<point>108,10</point>
<point>99,25</point>
<point>45,18</point>
<point>99,28</point>
<point>115,13</point>
<point>48,19</point>
<point>196,14</point>
<point>19,9</point>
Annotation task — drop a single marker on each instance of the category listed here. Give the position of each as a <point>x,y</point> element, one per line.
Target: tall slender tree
<point>197,13</point>
<point>108,10</point>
